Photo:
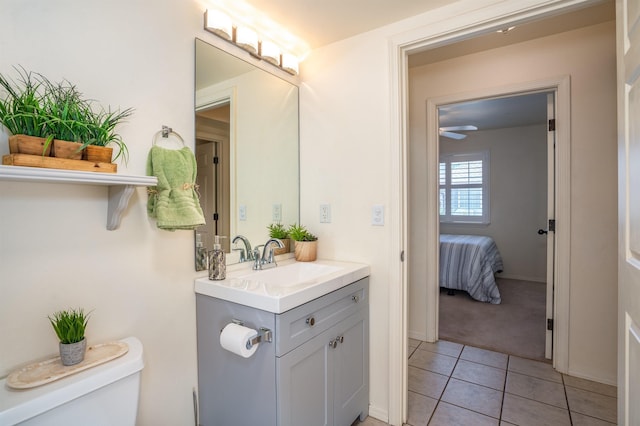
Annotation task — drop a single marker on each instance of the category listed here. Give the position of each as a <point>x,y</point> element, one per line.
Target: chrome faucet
<point>267,259</point>
<point>246,253</point>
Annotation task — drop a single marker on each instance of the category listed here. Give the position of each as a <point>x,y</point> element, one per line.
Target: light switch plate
<point>325,213</point>
<point>242,212</point>
<point>377,215</point>
<point>276,213</point>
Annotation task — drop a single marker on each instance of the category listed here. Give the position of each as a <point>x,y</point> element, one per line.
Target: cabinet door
<point>305,384</point>
<point>351,370</point>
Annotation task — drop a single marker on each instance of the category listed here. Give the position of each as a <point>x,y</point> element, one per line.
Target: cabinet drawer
<point>300,324</point>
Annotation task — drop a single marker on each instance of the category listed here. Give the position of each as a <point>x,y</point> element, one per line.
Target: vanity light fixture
<point>218,23</point>
<point>246,38</point>
<point>270,52</point>
<point>290,63</point>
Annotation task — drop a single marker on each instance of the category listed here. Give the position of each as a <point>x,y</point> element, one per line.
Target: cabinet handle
<point>333,344</point>
<point>340,339</point>
<point>355,299</point>
<point>311,321</point>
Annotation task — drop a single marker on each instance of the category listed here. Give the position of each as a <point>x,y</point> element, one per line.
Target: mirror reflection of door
<point>213,178</point>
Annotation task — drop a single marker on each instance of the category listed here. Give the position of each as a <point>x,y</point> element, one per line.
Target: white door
<point>551,218</point>
<point>628,53</point>
<point>207,188</point>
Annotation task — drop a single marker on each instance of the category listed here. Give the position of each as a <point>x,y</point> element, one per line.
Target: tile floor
<point>453,384</point>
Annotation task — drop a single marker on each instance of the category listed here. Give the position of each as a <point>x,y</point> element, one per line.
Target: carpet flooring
<point>515,327</point>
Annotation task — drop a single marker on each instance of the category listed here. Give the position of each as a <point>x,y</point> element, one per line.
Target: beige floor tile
<point>411,350</point>
<point>414,343</point>
<point>506,424</point>
<point>420,409</point>
<point>480,374</point>
<point>483,356</point>
<point>601,388</point>
<point>538,369</point>
<point>426,383</point>
<point>592,404</point>
<point>441,364</point>
<point>449,415</point>
<point>551,393</point>
<point>474,397</point>
<point>526,412</point>
<point>370,421</point>
<point>582,420</point>
<point>443,347</point>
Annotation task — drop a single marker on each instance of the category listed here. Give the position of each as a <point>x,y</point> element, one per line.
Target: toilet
<point>104,395</point>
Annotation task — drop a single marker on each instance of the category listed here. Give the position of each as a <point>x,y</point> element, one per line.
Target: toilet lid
<point>19,405</point>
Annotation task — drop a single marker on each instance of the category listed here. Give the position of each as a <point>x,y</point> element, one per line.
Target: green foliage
<point>21,110</point>
<point>277,230</point>
<point>300,233</point>
<point>35,106</point>
<point>69,325</point>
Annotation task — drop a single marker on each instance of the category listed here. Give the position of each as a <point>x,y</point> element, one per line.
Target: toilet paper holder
<point>264,335</point>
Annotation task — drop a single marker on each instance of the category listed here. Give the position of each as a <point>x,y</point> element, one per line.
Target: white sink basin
<point>284,287</point>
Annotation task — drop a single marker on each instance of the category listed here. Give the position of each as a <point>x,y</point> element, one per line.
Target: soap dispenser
<point>217,265</point>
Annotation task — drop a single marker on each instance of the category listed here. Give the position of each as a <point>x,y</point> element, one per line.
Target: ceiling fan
<point>450,132</point>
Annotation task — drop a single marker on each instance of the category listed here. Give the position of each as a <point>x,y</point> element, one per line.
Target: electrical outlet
<point>242,212</point>
<point>276,213</point>
<point>377,215</point>
<point>325,213</point>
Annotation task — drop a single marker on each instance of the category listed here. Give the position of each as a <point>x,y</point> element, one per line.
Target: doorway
<point>496,185</point>
<point>402,51</point>
<point>213,159</point>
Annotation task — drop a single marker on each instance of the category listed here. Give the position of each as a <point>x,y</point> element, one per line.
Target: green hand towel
<point>174,202</point>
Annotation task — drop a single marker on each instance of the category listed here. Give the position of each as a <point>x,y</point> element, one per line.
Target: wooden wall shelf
<point>121,187</point>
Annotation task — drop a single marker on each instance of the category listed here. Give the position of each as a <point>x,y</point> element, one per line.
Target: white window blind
<point>464,188</point>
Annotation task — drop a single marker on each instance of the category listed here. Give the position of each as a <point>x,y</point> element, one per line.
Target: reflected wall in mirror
<point>246,150</point>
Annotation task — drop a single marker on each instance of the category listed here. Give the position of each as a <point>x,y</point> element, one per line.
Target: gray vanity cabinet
<point>325,381</point>
<point>314,372</point>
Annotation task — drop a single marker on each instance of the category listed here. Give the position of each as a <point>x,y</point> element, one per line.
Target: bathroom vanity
<point>315,369</point>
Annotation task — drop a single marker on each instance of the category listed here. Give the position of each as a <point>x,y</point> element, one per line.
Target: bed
<point>469,262</point>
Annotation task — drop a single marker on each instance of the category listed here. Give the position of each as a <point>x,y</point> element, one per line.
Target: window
<point>464,188</point>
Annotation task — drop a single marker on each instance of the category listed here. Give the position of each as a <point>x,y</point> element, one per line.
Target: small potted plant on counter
<point>278,230</point>
<point>305,243</point>
<point>70,326</point>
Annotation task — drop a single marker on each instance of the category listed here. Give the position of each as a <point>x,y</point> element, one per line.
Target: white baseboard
<point>521,278</point>
<point>613,381</point>
<point>416,335</point>
<point>378,413</point>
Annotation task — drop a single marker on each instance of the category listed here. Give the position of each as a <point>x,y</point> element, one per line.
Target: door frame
<point>443,26</point>
<point>560,86</point>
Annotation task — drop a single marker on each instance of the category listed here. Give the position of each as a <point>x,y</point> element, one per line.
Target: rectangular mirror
<point>246,149</point>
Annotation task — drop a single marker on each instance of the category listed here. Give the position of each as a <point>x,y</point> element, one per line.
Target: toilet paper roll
<point>234,338</point>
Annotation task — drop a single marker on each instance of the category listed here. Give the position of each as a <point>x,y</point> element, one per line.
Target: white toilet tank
<point>105,395</point>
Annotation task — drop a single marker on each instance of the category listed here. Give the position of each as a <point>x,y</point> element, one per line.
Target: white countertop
<point>284,287</point>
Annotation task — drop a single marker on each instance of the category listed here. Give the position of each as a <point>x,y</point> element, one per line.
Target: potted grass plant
<point>70,326</point>
<point>22,113</point>
<point>278,230</point>
<point>35,106</point>
<point>305,243</point>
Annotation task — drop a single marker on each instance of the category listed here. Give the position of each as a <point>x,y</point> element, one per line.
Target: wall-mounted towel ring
<point>165,132</point>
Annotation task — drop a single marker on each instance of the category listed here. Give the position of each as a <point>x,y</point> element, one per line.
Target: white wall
<point>347,145</point>
<point>517,194</point>
<point>588,56</point>
<point>138,280</point>
<point>55,251</point>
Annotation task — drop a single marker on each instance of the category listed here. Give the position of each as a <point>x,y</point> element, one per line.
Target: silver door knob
<point>355,299</point>
<point>311,321</point>
<point>333,344</point>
